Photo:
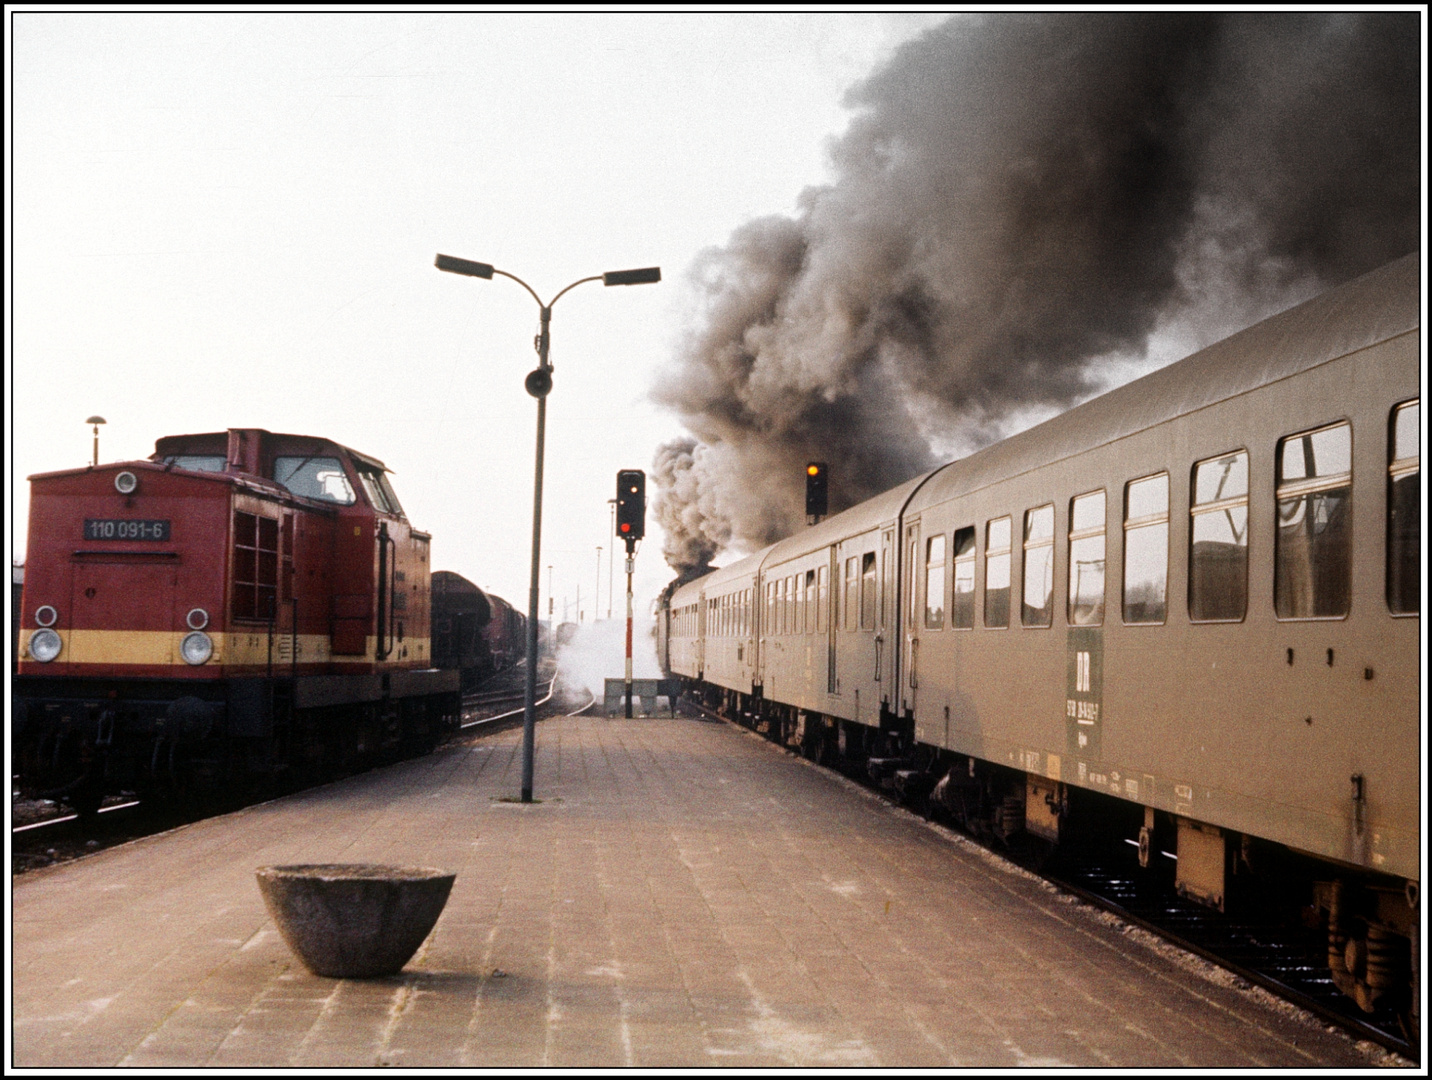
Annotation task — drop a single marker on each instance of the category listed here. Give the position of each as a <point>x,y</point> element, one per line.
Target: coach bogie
<point>1373,932</point>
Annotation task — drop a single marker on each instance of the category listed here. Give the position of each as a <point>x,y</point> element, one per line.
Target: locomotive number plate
<point>125,529</point>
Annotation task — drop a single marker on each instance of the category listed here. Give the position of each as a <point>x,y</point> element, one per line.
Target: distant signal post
<point>631,527</point>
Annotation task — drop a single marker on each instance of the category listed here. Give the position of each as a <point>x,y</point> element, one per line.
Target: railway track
<point>492,705</point>
<point>1262,944</point>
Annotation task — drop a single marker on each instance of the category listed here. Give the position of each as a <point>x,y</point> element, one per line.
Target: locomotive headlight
<point>197,619</point>
<point>126,482</point>
<point>46,615</point>
<point>45,645</point>
<point>196,648</point>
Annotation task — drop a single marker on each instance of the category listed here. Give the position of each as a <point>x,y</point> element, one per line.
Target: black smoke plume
<point>1021,203</point>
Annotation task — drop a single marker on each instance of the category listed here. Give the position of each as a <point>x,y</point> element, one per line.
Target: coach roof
<point>1373,308</point>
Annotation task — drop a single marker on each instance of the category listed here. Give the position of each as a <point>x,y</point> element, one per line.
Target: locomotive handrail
<point>387,585</point>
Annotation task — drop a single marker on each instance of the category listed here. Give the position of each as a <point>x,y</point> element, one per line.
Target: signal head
<point>631,504</point>
<point>816,495</point>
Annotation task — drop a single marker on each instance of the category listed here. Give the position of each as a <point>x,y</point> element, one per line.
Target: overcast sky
<point>230,219</point>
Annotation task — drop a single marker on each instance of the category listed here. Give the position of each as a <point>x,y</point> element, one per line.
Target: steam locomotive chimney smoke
<point>1022,204</point>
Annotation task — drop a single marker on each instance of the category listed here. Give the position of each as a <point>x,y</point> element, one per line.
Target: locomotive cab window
<point>1038,606</point>
<point>314,478</point>
<point>1313,553</point>
<point>997,540</point>
<point>1218,540</point>
<point>1404,511</point>
<point>962,604</point>
<point>380,493</point>
<point>1086,560</point>
<point>1146,550</point>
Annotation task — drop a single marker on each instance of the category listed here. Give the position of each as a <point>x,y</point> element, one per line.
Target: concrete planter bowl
<point>354,921</point>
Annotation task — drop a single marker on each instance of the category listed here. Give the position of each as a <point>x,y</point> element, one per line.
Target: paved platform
<point>684,895</point>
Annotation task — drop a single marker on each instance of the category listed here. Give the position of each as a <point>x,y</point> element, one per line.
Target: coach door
<point>702,626</point>
<point>886,630</point>
<point>829,608</point>
<point>909,588</point>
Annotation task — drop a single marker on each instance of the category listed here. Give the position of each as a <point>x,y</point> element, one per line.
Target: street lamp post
<point>597,603</point>
<point>539,385</point>
<point>612,557</point>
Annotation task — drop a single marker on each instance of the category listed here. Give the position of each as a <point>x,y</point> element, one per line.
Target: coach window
<point>867,591</point>
<point>962,604</point>
<point>1218,540</point>
<point>810,605</point>
<point>935,582</point>
<point>793,604</point>
<point>799,607</point>
<point>1146,550</point>
<point>852,592</point>
<point>1086,560</point>
<point>997,540</point>
<point>887,580</point>
<point>1038,606</point>
<point>1313,556</point>
<point>1404,512</point>
<point>822,599</point>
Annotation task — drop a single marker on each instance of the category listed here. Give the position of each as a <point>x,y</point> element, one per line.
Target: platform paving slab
<point>684,894</point>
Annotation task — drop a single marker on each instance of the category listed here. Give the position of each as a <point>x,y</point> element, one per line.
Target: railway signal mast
<point>631,527</point>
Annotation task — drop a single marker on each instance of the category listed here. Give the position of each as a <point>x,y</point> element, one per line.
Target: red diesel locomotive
<point>242,606</point>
